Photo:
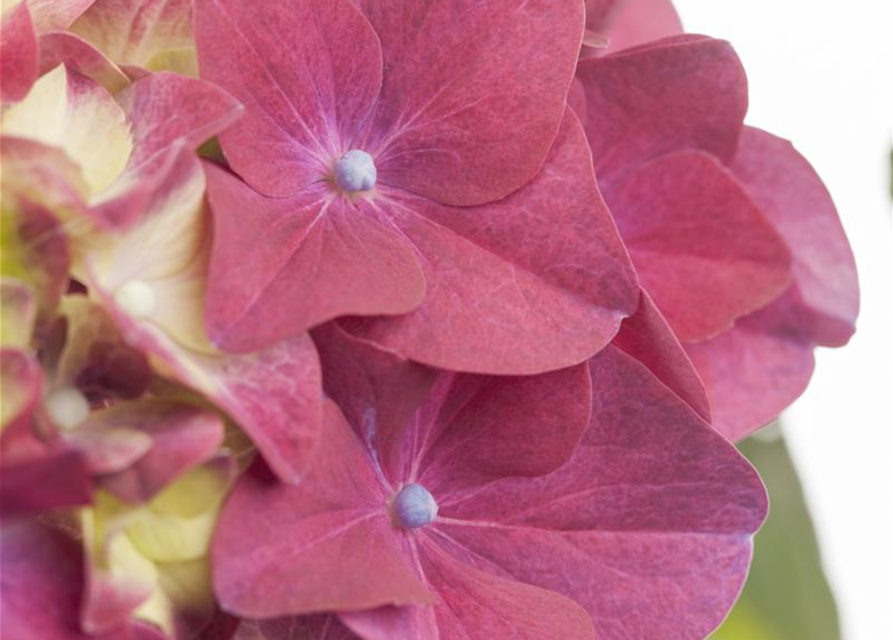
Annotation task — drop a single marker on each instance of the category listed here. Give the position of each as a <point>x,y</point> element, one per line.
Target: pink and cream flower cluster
<point>391,319</point>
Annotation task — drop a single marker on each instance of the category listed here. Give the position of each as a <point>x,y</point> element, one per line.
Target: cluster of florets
<point>391,319</point>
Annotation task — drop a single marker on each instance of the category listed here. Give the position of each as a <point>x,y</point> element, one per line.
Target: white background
<point>820,74</point>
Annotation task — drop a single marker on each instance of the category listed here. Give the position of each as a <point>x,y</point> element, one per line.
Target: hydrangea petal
<point>62,47</point>
<point>648,526</point>
<point>335,518</point>
<point>312,627</point>
<point>328,257</point>
<point>647,337</point>
<point>479,605</point>
<point>52,15</point>
<point>635,22</point>
<point>138,32</point>
<point>21,379</point>
<point>19,53</point>
<point>180,437</point>
<point>377,390</point>
<point>701,247</point>
<point>472,95</point>
<point>756,369</point>
<point>18,312</point>
<point>274,394</point>
<point>793,198</point>
<point>35,250</point>
<point>67,110</point>
<point>305,96</point>
<point>516,287</point>
<point>40,585</point>
<point>56,478</point>
<point>691,93</point>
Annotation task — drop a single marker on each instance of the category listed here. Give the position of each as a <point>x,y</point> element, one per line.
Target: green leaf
<point>787,596</point>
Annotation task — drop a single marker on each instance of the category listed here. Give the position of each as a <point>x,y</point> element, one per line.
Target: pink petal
<point>61,47</point>
<point>273,394</point>
<point>21,377</point>
<point>308,73</point>
<point>473,93</point>
<point>636,22</point>
<point>702,248</point>
<point>516,287</point>
<point>648,526</point>
<point>165,107</point>
<point>758,368</point>
<point>315,627</point>
<point>57,478</point>
<point>323,257</point>
<point>95,358</point>
<point>487,428</point>
<point>51,15</point>
<point>107,450</point>
<point>793,198</point>
<point>40,585</point>
<point>647,337</point>
<point>170,116</point>
<point>41,252</point>
<point>181,436</point>
<point>690,93</point>
<point>476,605</point>
<point>18,311</point>
<point>19,55</point>
<point>377,390</point>
<point>134,32</point>
<point>328,542</point>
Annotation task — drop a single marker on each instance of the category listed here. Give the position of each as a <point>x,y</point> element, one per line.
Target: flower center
<point>414,507</point>
<point>136,299</point>
<point>67,407</point>
<point>355,171</point>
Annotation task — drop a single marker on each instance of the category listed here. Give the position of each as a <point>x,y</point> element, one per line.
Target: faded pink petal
<point>170,116</point>
<point>62,47</point>
<point>517,286</point>
<point>336,518</point>
<point>648,338</point>
<point>793,198</point>
<point>701,247</point>
<point>41,253</point>
<point>40,585</point>
<point>134,32</point>
<point>758,368</point>
<point>472,95</point>
<point>323,257</point>
<point>52,15</point>
<point>19,54</point>
<point>691,93</point>
<point>21,378</point>
<point>181,437</point>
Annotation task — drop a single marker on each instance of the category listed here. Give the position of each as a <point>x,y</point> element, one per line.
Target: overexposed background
<point>821,75</point>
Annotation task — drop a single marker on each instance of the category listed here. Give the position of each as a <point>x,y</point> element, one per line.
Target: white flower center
<point>136,299</point>
<point>67,407</point>
<point>414,507</point>
<point>355,171</point>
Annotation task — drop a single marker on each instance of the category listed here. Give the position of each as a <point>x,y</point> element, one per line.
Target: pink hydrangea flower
<point>413,163</point>
<point>731,231</point>
<point>588,502</point>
